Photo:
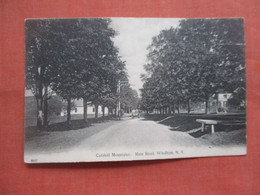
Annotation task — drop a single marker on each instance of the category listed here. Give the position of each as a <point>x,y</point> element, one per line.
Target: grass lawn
<point>59,124</point>
<point>31,121</point>
<point>232,134</point>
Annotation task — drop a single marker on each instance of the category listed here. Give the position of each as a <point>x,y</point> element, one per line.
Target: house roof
<point>78,103</point>
<point>239,89</point>
<point>28,93</point>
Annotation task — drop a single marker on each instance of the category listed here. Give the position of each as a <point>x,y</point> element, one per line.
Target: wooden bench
<point>215,122</point>
<point>207,122</point>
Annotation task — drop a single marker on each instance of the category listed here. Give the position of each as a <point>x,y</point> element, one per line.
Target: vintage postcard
<point>119,89</point>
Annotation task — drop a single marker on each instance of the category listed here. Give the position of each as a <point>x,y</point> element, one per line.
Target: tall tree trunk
<point>96,111</point>
<point>39,114</point>
<point>68,111</point>
<point>173,108</point>
<point>116,111</point>
<point>178,108</point>
<point>39,100</point>
<point>170,109</point>
<point>85,105</point>
<point>45,107</point>
<point>160,110</point>
<point>188,103</point>
<point>45,112</point>
<point>108,111</point>
<point>209,105</point>
<point>217,103</point>
<point>206,105</point>
<point>103,111</point>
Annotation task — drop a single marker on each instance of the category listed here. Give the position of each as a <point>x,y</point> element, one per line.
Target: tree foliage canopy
<point>74,58</point>
<point>194,61</point>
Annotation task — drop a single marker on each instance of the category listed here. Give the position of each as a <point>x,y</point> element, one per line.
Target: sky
<point>135,35</point>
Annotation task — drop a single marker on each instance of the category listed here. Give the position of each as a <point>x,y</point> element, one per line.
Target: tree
<point>194,60</point>
<point>74,58</point>
<point>128,98</point>
<point>86,60</point>
<point>39,55</point>
<point>216,48</point>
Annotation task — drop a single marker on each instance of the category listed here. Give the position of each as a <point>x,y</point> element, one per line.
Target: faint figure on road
<point>135,113</point>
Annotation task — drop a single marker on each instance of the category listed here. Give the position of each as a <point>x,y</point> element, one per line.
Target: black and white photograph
<point>120,89</point>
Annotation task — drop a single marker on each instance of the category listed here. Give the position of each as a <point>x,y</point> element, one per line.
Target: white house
<point>79,108</point>
<point>222,100</point>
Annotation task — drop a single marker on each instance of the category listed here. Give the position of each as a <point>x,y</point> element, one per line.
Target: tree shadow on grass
<point>187,122</point>
<point>76,124</point>
<point>154,117</point>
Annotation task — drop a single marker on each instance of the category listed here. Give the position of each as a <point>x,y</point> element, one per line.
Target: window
<point>225,96</point>
<point>93,109</point>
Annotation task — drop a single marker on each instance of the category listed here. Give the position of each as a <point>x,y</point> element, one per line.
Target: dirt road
<point>136,133</point>
<point>123,139</point>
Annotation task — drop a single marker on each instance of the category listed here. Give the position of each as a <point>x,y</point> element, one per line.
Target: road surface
<point>129,137</point>
<point>137,133</point>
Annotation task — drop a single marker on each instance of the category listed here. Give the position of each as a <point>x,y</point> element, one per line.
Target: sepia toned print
<point>109,89</point>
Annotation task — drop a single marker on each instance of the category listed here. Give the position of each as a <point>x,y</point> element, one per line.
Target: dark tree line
<point>192,62</point>
<point>73,58</point>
